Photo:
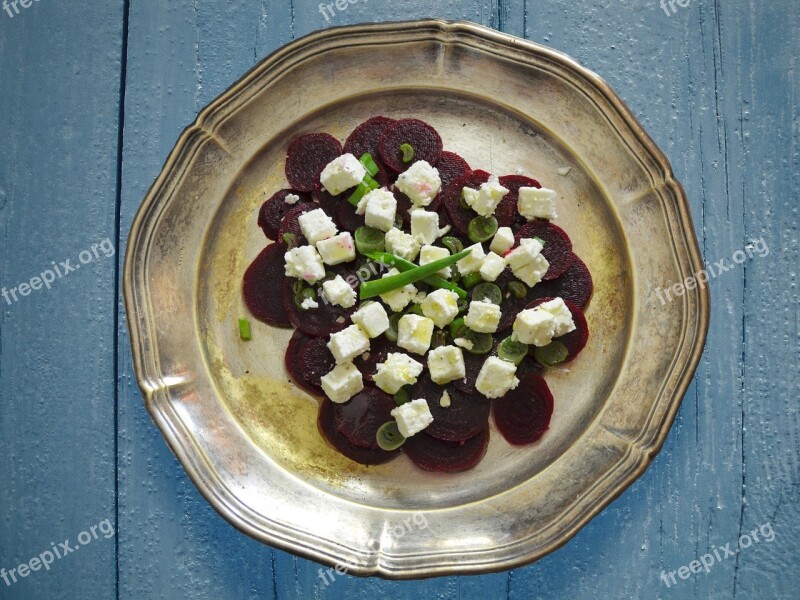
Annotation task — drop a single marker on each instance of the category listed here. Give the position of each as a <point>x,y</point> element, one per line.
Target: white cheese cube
<point>503,241</point>
<point>338,291</point>
<point>488,197</point>
<point>342,174</point>
<point>446,364</point>
<point>291,199</point>
<point>471,262</point>
<point>492,266</point>
<point>412,417</point>
<point>483,317</point>
<point>414,333</point>
<point>536,203</point>
<point>424,226</point>
<point>304,263</point>
<point>428,254</point>
<point>398,299</point>
<point>444,401</point>
<point>380,208</point>
<point>309,303</point>
<point>342,383</point>
<point>441,306</point>
<point>338,249</point>
<point>372,318</point>
<point>534,326</point>
<point>527,262</point>
<point>401,244</point>
<point>561,314</point>
<point>533,272</point>
<point>464,343</point>
<point>345,345</point>
<point>316,225</point>
<point>396,371</point>
<point>420,182</point>
<point>497,378</point>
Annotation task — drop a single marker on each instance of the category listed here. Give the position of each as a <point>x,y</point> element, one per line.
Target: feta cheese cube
<point>342,173</point>
<point>533,272</point>
<point>527,262</point>
<point>471,262</point>
<point>446,364</point>
<point>483,317</point>
<point>401,244</point>
<point>372,318</point>
<point>398,299</point>
<point>534,326</point>
<point>304,263</point>
<point>396,371</point>
<point>503,241</point>
<point>337,249</point>
<point>380,208</point>
<point>492,266</point>
<point>291,199</point>
<point>414,333</point>
<point>424,226</point>
<point>338,291</point>
<point>464,343</point>
<point>444,401</point>
<point>562,316</point>
<point>497,378</point>
<point>441,306</point>
<point>534,203</point>
<point>485,201</point>
<point>428,254</point>
<point>309,303</point>
<point>412,417</point>
<point>316,225</point>
<point>420,182</point>
<point>345,345</point>
<point>342,383</point>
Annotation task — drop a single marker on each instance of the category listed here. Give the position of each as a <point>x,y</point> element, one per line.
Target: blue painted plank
<point>59,92</point>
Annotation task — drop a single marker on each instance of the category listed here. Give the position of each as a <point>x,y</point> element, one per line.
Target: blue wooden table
<point>93,96</point>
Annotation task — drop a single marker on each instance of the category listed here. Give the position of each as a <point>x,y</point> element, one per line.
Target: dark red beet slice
<point>446,457</point>
<point>460,217</point>
<point>404,205</point>
<point>466,416</point>
<point>506,212</point>
<point>365,137</point>
<point>307,360</point>
<point>523,415</point>
<point>427,143</point>
<point>307,156</point>
<point>274,209</point>
<point>451,166</point>
<point>291,224</point>
<point>318,322</point>
<point>575,341</point>
<point>511,306</point>
<point>557,246</point>
<point>347,218</point>
<point>472,366</point>
<point>359,418</point>
<point>379,350</point>
<point>365,456</point>
<point>262,290</point>
<point>575,285</point>
<point>327,202</point>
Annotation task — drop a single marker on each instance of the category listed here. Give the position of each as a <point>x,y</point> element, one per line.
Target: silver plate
<point>247,437</point>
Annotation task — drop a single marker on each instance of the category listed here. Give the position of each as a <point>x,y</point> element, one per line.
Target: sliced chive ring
<point>512,350</point>
<point>551,355</point>
<point>482,343</point>
<point>394,324</point>
<point>408,153</point>
<point>369,164</point>
<point>369,239</point>
<point>389,437</point>
<point>487,291</point>
<point>244,330</point>
<point>453,244</point>
<point>482,229</point>
<point>403,396</point>
<point>470,280</point>
<point>517,289</point>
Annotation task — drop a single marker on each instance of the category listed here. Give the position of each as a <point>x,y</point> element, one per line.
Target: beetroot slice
<point>379,350</point>
<point>557,246</point>
<point>472,366</point>
<point>347,218</point>
<point>327,202</point>
<point>575,285</point>
<point>365,456</point>
<point>404,206</point>
<point>451,166</point>
<point>365,137</point>
<point>291,223</point>
<point>511,306</point>
<point>308,359</point>
<point>575,341</point>
<point>273,210</point>
<point>460,217</point>
<point>506,212</point>
<point>307,156</point>
<point>466,416</point>
<point>321,321</point>
<point>359,418</point>
<point>262,292</point>
<point>427,144</point>
<point>523,415</point>
<point>431,454</point>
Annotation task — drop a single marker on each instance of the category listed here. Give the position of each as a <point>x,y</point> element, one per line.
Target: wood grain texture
<point>715,84</point>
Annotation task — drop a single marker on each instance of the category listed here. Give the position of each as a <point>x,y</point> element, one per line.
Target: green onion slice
<point>512,351</point>
<point>481,342</point>
<point>369,239</point>
<point>244,330</point>
<point>551,355</point>
<point>367,185</point>
<point>470,280</point>
<point>482,229</point>
<point>453,244</point>
<point>458,329</point>
<point>408,153</point>
<point>370,289</point>
<point>304,294</point>
<point>517,289</point>
<point>439,338</point>
<point>394,323</point>
<point>389,437</point>
<point>290,240</point>
<point>488,292</point>
<point>403,396</point>
<point>369,164</point>
<point>406,265</point>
